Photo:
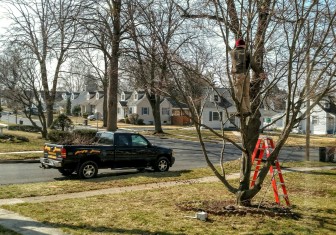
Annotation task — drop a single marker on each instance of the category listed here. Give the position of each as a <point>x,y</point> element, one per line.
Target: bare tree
<point>106,21</point>
<point>47,30</point>
<point>19,77</point>
<point>156,32</point>
<point>293,42</point>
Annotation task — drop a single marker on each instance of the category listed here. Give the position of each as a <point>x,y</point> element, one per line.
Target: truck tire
<point>66,172</point>
<point>162,164</point>
<point>88,170</point>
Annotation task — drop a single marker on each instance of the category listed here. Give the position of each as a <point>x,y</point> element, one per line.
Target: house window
<point>130,111</point>
<point>135,96</point>
<point>216,98</point>
<point>327,105</point>
<point>122,97</point>
<point>97,96</point>
<point>314,120</point>
<point>215,116</point>
<point>118,110</point>
<point>87,96</point>
<point>165,111</point>
<point>144,110</point>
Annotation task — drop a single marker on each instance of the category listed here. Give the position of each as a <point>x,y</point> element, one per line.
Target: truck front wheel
<point>88,170</point>
<point>162,164</point>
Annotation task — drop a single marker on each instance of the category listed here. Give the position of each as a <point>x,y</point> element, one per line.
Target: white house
<point>218,106</point>
<point>322,119</point>
<point>136,102</point>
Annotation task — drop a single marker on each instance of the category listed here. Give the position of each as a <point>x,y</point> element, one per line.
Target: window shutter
<point>210,116</point>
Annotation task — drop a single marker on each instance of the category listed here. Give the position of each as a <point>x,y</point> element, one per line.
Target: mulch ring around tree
<point>230,208</point>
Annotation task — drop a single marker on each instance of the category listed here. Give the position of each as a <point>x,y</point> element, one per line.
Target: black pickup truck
<point>109,150</point>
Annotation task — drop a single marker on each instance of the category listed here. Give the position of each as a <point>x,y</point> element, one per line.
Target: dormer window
<point>327,105</point>
<point>122,96</point>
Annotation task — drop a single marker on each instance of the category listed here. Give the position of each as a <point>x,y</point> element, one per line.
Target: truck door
<point>107,155</point>
<point>123,150</point>
<point>142,152</point>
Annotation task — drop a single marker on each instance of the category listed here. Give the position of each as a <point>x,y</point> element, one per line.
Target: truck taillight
<point>63,153</point>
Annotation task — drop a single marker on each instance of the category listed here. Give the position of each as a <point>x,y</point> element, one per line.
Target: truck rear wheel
<point>88,170</point>
<point>162,164</point>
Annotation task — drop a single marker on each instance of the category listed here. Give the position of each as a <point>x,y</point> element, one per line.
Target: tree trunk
<point>114,67</point>
<point>157,115</point>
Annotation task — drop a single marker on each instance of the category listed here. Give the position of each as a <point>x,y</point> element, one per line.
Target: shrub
<point>141,122</point>
<point>133,118</point>
<point>25,128</point>
<point>127,121</point>
<point>121,120</point>
<point>13,138</point>
<point>58,135</point>
<point>62,122</point>
<point>76,110</point>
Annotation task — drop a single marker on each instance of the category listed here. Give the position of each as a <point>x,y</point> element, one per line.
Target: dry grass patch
<point>156,211</point>
<point>35,142</point>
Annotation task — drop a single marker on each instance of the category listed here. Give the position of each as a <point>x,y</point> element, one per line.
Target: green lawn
<point>156,211</point>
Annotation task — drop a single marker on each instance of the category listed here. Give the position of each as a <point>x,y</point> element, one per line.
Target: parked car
<point>110,150</point>
<point>92,117</point>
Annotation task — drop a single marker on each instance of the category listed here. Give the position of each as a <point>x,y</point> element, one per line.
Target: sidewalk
<point>27,226</point>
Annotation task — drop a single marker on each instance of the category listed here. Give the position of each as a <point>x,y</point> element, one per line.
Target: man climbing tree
<point>241,78</point>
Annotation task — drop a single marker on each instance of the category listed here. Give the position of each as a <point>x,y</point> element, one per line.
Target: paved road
<point>188,155</point>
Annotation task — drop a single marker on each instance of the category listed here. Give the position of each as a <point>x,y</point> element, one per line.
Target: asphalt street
<point>188,155</point>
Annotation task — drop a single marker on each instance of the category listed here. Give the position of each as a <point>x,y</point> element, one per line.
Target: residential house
<point>218,106</point>
<point>77,98</point>
<point>89,105</point>
<point>322,117</point>
<point>136,102</point>
<point>122,104</point>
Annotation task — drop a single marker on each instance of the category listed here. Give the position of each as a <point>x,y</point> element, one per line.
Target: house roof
<point>225,99</point>
<point>332,104</point>
<point>175,104</point>
<point>141,95</point>
<point>81,97</point>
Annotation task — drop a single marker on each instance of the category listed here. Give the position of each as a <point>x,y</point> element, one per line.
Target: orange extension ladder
<point>266,144</point>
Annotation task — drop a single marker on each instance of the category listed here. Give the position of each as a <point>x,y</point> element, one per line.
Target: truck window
<point>123,141</point>
<point>139,141</point>
<point>106,138</point>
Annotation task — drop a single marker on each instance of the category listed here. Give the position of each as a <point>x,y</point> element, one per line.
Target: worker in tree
<point>241,79</point>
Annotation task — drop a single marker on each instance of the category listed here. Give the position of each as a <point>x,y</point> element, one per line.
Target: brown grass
<point>156,211</point>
